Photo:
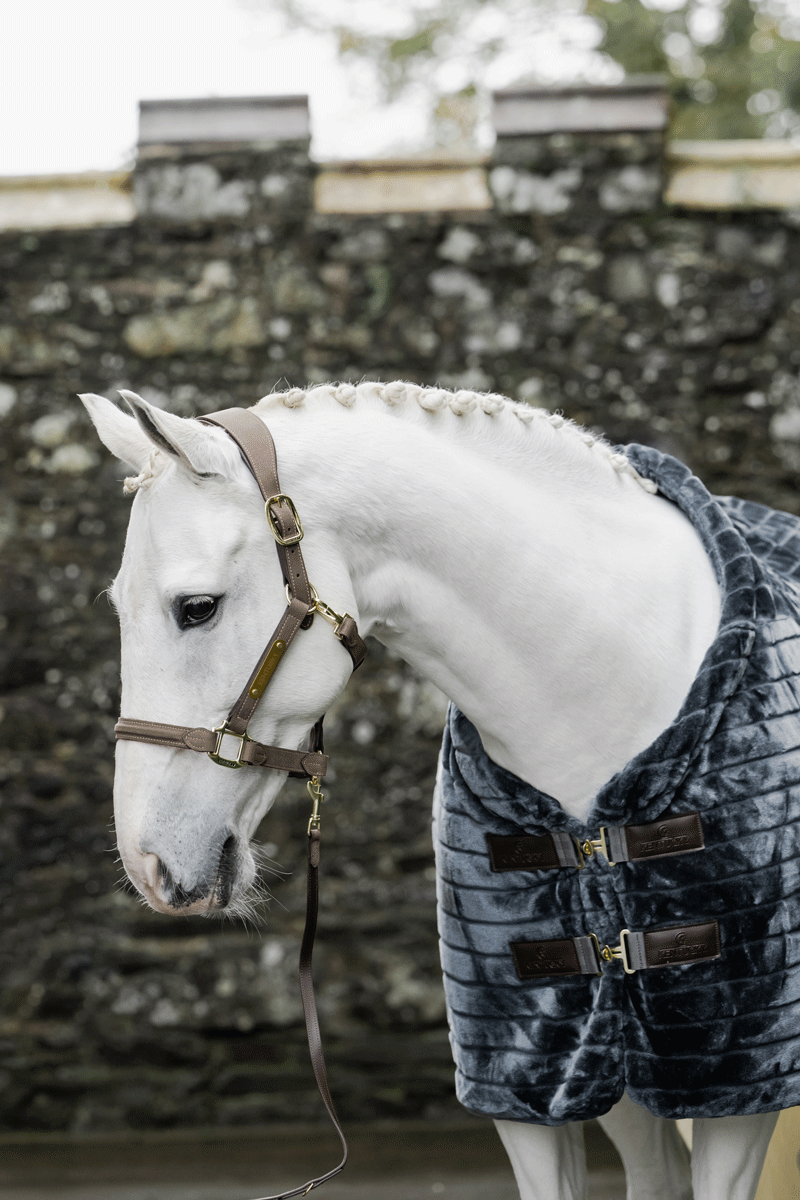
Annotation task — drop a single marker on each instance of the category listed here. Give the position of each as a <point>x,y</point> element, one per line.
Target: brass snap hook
<point>315,792</point>
<point>620,952</point>
<point>591,846</point>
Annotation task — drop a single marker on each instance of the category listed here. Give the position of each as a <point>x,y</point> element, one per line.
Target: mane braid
<point>461,403</point>
<point>145,477</point>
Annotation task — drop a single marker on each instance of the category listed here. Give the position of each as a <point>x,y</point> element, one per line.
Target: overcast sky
<point>74,71</point>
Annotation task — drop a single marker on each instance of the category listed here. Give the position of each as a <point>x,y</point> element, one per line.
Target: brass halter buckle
<point>294,538</point>
<point>234,763</point>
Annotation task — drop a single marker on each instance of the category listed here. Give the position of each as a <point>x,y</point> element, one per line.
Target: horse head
<point>197,594</point>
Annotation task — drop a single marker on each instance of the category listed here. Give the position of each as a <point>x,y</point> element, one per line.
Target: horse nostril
<point>210,883</point>
<point>152,870</point>
<point>175,894</point>
<point>226,872</point>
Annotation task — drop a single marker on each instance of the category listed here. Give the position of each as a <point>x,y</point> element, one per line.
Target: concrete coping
<point>86,200</point>
<point>238,120</point>
<point>700,174</point>
<point>741,150</point>
<point>120,180</point>
<point>403,185</point>
<point>363,166</point>
<point>630,85</point>
<point>638,103</point>
<point>746,174</point>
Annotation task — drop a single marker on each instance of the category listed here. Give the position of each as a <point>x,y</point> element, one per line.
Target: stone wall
<point>579,289</point>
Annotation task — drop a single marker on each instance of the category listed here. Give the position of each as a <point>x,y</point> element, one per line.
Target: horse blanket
<point>707,1038</point>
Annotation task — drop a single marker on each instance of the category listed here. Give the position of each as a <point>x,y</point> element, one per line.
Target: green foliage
<point>632,35</point>
<point>397,59</point>
<point>402,55</point>
<point>443,50</point>
<point>422,41</point>
<point>740,80</point>
<point>734,65</point>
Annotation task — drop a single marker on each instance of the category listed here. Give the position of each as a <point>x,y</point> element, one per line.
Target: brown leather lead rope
<point>312,1020</point>
<point>307,996</point>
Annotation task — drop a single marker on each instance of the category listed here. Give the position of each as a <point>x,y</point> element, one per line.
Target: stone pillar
<point>241,161</point>
<point>579,151</point>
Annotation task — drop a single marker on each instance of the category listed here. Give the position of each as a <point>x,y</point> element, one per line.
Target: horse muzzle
<point>202,888</point>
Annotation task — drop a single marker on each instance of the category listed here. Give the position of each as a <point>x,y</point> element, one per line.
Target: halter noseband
<point>302,602</point>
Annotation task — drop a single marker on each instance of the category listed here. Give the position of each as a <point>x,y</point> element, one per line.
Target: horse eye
<point>195,610</point>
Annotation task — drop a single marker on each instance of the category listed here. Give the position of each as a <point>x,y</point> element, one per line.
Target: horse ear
<point>118,432</point>
<point>193,445</point>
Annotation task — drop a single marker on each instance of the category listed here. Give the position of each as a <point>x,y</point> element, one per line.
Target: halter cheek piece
<point>258,451</point>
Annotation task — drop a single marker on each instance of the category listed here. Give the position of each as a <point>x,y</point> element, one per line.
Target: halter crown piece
<point>258,451</point>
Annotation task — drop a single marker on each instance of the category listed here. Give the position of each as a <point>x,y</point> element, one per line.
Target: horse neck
<point>560,607</point>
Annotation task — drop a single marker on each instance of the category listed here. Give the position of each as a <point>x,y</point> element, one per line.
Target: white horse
<point>456,528</point>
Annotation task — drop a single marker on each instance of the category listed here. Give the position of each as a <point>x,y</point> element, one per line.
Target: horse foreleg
<point>653,1153</point>
<point>728,1154</point>
<point>549,1161</point>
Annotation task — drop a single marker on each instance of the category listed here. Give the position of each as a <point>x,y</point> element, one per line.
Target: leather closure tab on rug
<point>658,839</point>
<point>675,946</point>
<point>559,956</point>
<point>621,843</point>
<point>542,852</point>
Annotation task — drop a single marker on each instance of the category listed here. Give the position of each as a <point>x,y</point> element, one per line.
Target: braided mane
<point>428,400</point>
<point>461,403</point>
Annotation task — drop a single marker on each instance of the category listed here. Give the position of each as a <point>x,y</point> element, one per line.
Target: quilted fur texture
<point>704,1039</point>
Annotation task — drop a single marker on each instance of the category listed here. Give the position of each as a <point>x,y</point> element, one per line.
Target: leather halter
<point>258,451</point>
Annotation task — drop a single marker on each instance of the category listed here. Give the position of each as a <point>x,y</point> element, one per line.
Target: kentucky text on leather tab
<point>692,943</point>
<point>673,835</point>
<point>532,853</point>
<point>534,960</point>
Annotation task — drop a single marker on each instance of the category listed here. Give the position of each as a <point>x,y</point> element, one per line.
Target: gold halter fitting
<point>293,539</point>
<point>222,731</point>
<point>314,791</point>
<point>325,611</point>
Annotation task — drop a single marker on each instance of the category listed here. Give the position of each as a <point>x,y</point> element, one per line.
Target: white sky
<point>74,70</point>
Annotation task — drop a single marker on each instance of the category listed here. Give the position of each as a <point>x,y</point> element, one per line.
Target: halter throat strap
<point>258,452</point>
